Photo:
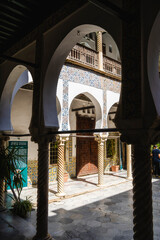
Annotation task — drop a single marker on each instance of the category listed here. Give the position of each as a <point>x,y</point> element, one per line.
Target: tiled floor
<point>87,212</point>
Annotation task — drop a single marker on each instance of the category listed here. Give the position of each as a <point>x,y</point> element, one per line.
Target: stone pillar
<point>142,192</point>
<point>42,191</point>
<point>1,184</point>
<point>1,196</point>
<point>116,153</point>
<point>38,132</point>
<point>129,162</point>
<point>2,147</point>
<point>100,51</point>
<point>101,140</point>
<point>61,143</point>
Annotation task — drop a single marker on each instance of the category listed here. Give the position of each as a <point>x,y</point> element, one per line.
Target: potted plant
<point>115,167</point>
<point>9,170</point>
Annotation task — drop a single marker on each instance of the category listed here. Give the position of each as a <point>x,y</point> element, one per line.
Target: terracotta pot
<point>65,177</point>
<point>115,168</point>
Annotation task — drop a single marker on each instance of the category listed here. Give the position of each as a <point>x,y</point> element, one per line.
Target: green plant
<point>13,176</point>
<point>8,169</point>
<point>22,207</point>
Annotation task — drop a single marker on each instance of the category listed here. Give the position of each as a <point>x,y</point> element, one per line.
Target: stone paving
<point>87,212</point>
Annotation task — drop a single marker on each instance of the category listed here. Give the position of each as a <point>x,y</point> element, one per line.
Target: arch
<point>111,115</point>
<point>58,110</point>
<point>152,62</point>
<point>98,109</point>
<point>54,68</point>
<point>17,78</point>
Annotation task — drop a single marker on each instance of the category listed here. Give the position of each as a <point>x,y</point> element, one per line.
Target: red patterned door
<point>87,148</point>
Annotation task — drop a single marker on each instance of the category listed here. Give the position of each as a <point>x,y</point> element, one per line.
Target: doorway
<point>87,148</point>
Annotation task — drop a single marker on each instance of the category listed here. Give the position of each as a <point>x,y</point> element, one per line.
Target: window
<point>89,59</point>
<point>104,48</point>
<point>110,48</point>
<point>75,54</point>
<point>53,152</point>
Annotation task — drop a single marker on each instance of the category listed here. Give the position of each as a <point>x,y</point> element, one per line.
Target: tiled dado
<point>33,172</point>
<point>70,167</point>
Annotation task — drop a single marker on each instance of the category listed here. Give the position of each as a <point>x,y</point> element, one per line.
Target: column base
<point>48,237</point>
<point>60,194</point>
<point>100,185</point>
<point>129,178</point>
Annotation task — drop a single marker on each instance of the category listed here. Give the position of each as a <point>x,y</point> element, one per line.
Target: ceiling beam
<point>12,59</point>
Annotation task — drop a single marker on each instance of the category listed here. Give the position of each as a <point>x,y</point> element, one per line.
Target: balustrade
<point>89,57</point>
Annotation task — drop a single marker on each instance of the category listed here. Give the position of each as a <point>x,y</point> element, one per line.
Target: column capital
<point>101,138</point>
<point>62,138</point>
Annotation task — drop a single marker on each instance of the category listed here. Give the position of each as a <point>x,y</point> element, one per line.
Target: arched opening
<point>16,79</point>
<point>84,109</point>
<point>76,36</point>
<point>113,144</point>
<point>16,107</point>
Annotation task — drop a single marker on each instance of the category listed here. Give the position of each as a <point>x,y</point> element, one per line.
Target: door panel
<point>22,147</point>
<point>87,149</point>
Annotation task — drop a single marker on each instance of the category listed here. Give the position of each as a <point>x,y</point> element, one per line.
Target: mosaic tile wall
<point>89,78</point>
<point>85,76</point>
<point>70,166</point>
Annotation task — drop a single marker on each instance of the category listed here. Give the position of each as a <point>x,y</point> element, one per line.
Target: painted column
<point>142,192</point>
<point>129,162</point>
<point>101,140</point>
<point>60,187</point>
<point>100,51</point>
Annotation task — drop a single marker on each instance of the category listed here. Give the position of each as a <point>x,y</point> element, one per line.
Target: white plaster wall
<point>75,89</point>
<point>20,117</point>
<point>59,94</point>
<point>21,111</point>
<point>112,98</point>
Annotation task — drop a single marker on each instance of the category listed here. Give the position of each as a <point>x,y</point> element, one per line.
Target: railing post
<point>129,162</point>
<point>100,52</point>
<point>101,140</point>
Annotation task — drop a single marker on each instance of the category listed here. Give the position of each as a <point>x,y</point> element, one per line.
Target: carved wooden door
<point>87,148</point>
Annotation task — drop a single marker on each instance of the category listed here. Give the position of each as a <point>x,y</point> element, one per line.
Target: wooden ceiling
<point>19,17</point>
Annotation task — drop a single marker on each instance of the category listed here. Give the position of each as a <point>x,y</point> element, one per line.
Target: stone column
<point>100,51</point>
<point>142,192</point>
<point>60,187</point>
<point>129,162</point>
<point>39,135</point>
<point>101,140</point>
<point>2,147</point>
<point>42,191</point>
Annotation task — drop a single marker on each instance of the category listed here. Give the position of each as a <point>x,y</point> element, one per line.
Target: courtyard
<point>87,212</point>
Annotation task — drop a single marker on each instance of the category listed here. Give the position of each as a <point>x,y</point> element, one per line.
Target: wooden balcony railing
<point>89,57</point>
<point>84,55</point>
